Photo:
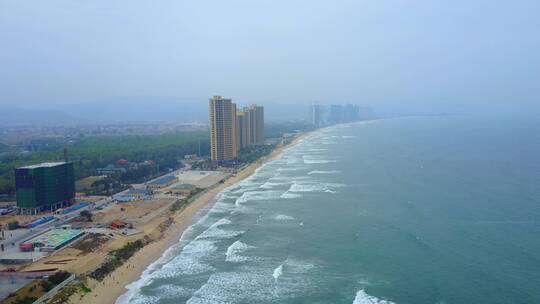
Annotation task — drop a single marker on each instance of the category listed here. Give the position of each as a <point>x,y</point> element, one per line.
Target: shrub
<point>87,215</point>
<point>58,277</point>
<point>47,285</point>
<point>26,300</point>
<point>13,225</point>
<point>117,258</point>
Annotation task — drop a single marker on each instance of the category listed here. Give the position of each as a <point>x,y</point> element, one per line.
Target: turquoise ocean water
<point>409,210</point>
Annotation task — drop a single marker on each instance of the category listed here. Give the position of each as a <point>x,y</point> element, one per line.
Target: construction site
<point>78,239</point>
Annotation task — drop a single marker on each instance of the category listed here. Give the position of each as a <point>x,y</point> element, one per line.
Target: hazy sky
<point>385,53</point>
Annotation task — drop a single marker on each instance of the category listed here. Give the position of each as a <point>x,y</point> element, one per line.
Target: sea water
<point>410,210</point>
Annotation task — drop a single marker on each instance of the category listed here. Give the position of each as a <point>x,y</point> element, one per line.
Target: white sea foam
<point>221,207</point>
<point>314,187</point>
<point>297,187</point>
<point>324,172</point>
<point>154,271</point>
<point>363,298</point>
<point>256,284</point>
<point>294,265</point>
<point>256,196</point>
<point>144,299</point>
<point>311,187</point>
<point>215,232</point>
<point>293,160</point>
<point>247,187</point>
<point>234,251</point>
<point>283,169</point>
<point>315,160</point>
<point>234,287</point>
<point>270,185</point>
<point>289,195</point>
<point>348,136</point>
<point>189,261</point>
<point>283,217</point>
<point>146,278</point>
<point>278,272</point>
<point>221,222</point>
<point>171,291</point>
<point>287,179</point>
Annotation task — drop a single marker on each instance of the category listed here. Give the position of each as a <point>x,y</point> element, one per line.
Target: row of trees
<point>90,153</point>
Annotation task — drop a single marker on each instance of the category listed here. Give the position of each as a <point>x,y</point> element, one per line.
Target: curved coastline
<point>124,281</point>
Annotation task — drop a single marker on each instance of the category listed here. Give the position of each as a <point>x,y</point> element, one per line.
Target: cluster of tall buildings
<point>322,115</point>
<point>232,129</point>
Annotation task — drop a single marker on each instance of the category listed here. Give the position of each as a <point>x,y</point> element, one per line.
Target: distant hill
<point>141,109</point>
<point>138,109</point>
<point>3,148</point>
<point>154,109</point>
<point>12,116</point>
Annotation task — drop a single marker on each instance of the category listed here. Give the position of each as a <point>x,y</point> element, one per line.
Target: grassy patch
<point>86,183</point>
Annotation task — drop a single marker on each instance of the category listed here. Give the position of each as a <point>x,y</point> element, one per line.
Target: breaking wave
<point>277,272</point>
<point>314,187</point>
<point>234,251</point>
<point>324,172</point>
<point>289,195</point>
<point>270,185</point>
<point>363,298</point>
<point>283,217</point>
<point>316,160</point>
<point>256,196</point>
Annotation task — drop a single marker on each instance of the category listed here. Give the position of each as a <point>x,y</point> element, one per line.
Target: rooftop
<point>55,237</point>
<point>138,191</point>
<point>43,165</point>
<point>184,186</point>
<point>163,180</point>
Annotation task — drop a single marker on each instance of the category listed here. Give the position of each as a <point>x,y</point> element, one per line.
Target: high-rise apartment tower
<point>222,129</point>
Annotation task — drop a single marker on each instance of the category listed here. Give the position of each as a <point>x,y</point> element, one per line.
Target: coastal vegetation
<point>63,295</point>
<point>251,153</point>
<point>36,289</point>
<point>89,153</point>
<point>117,257</point>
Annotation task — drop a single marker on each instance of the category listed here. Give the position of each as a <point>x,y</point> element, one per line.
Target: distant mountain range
<point>142,109</point>
<point>136,109</point>
<point>13,116</point>
<point>3,147</point>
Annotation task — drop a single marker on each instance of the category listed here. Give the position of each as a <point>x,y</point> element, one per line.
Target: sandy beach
<point>114,285</point>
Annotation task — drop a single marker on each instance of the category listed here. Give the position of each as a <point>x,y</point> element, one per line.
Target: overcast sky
<point>386,53</point>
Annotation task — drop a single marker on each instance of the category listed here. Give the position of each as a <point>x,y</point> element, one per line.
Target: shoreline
<point>115,285</point>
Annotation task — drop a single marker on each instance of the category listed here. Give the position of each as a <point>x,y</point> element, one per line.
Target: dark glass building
<point>47,186</point>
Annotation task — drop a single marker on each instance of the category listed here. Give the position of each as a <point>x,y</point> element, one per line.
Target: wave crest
<point>363,298</point>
